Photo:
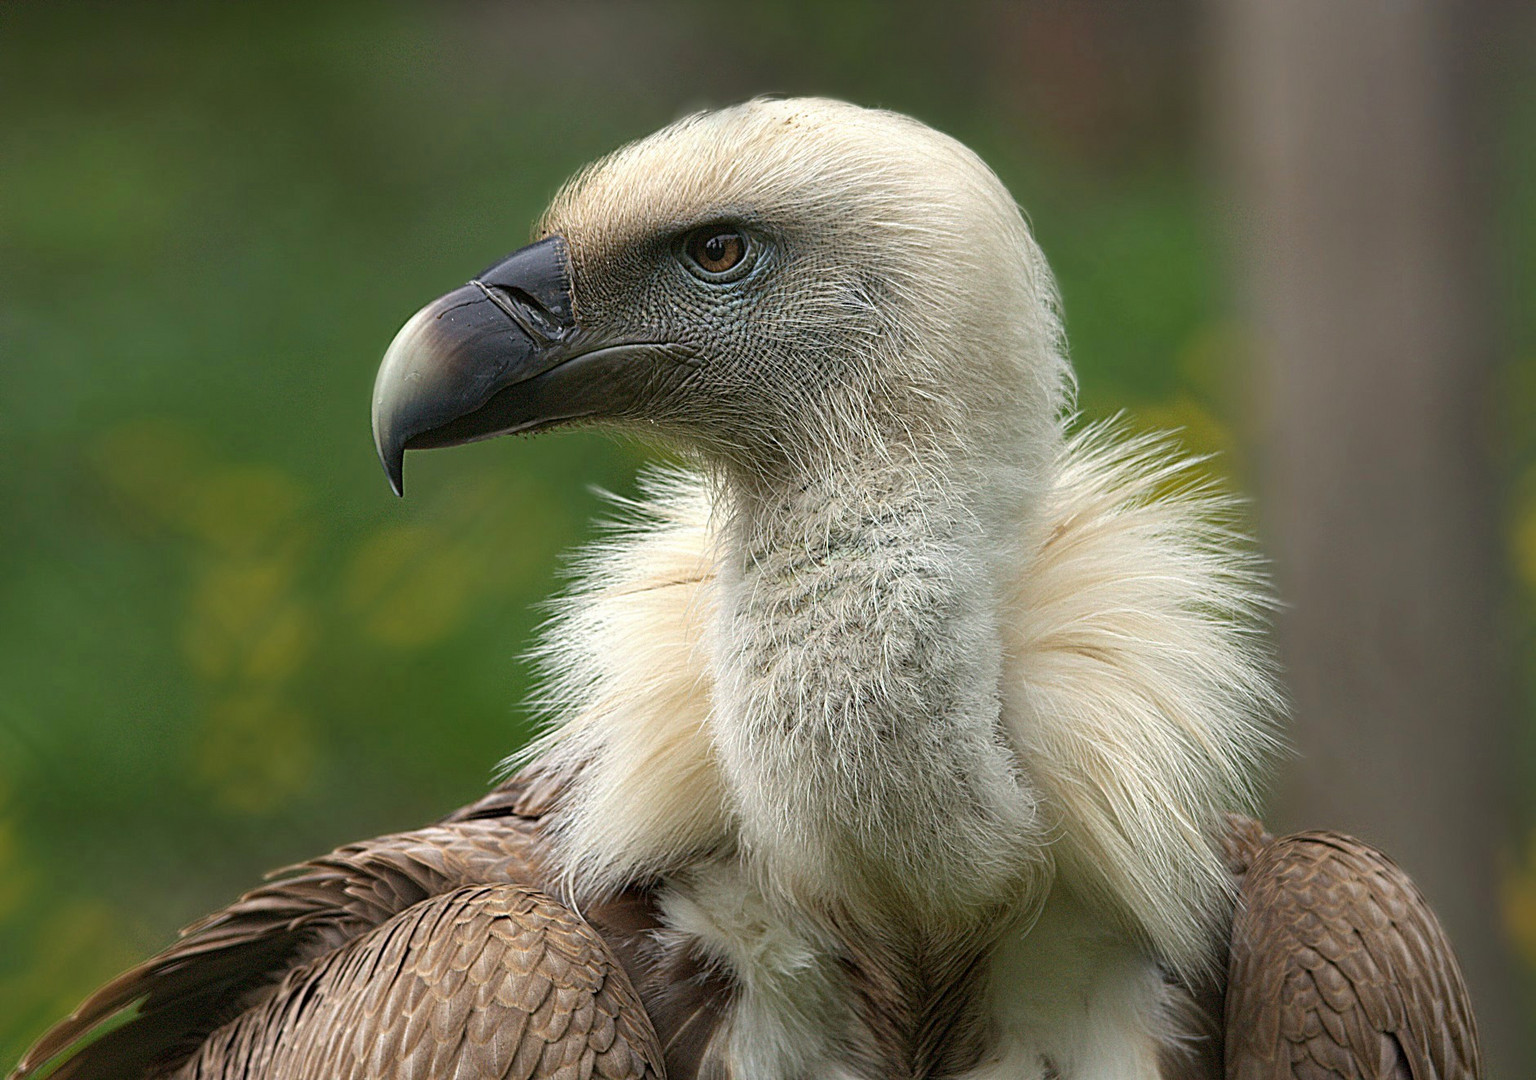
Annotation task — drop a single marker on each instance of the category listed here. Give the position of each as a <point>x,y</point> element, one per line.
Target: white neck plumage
<point>913,698</point>
<point>857,662</point>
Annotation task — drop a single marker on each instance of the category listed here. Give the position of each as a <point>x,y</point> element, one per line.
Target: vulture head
<point>783,287</point>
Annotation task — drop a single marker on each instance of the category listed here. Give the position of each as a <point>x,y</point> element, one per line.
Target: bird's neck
<point>858,661</point>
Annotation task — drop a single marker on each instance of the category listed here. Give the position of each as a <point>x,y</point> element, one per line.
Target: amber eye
<point>717,249</point>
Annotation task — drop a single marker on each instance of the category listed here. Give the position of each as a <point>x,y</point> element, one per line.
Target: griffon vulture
<point>902,738</point>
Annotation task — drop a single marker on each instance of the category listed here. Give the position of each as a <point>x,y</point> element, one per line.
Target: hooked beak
<point>505,354</point>
<point>468,365</point>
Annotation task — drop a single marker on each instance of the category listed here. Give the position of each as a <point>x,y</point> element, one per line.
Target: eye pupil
<point>718,251</point>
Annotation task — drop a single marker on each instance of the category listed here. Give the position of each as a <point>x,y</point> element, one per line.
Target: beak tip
<point>391,451</point>
<point>394,469</point>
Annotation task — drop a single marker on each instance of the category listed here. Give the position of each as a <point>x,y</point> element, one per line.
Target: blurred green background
<point>224,645</point>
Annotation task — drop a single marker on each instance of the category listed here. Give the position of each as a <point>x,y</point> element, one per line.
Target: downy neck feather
<point>1103,693</point>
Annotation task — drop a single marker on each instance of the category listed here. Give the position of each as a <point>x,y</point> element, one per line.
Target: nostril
<point>523,308</point>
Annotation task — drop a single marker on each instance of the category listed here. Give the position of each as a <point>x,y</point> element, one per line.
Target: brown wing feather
<point>686,994</point>
<point>483,983</point>
<point>233,961</point>
<point>1339,970</point>
<point>242,963</point>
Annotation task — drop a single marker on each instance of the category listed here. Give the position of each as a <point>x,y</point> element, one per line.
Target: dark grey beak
<point>468,365</point>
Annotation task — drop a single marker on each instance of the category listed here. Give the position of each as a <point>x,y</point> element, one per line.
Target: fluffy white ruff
<point>1137,692</point>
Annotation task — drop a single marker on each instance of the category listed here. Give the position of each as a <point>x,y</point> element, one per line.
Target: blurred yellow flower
<point>1210,357</point>
<point>152,467</point>
<point>411,585</point>
<point>165,477</point>
<point>1195,427</point>
<point>245,621</point>
<point>254,751</point>
<point>1519,902</point>
<point>244,509</point>
<point>1524,541</point>
<point>16,879</point>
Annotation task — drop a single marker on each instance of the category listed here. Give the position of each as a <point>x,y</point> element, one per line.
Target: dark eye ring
<point>718,252</point>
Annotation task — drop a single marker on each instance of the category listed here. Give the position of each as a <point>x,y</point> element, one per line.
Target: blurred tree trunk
<point>1360,137</point>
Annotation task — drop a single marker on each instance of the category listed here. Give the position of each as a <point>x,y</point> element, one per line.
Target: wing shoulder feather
<point>1338,968</point>
<point>483,983</point>
<point>155,1015</point>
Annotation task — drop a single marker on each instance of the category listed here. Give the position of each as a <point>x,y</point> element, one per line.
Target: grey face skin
<point>724,354</point>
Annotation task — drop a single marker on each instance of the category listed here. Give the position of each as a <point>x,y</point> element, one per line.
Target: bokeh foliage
<point>224,645</point>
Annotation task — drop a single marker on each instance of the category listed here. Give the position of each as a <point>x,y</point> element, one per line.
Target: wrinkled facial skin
<point>765,344</point>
